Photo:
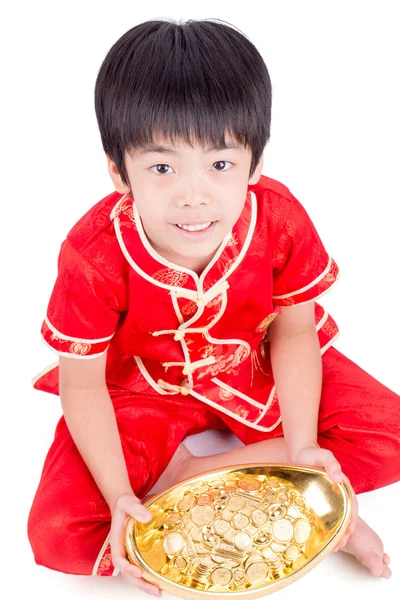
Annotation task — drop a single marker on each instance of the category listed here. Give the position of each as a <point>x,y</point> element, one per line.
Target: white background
<point>334,67</point>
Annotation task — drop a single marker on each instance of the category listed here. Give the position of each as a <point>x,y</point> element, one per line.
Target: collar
<point>156,269</point>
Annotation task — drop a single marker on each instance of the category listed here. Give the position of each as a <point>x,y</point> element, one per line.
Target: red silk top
<point>166,329</point>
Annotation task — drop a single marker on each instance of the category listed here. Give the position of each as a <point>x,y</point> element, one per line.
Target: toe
<point>386,573</point>
<point>374,563</point>
<point>386,559</point>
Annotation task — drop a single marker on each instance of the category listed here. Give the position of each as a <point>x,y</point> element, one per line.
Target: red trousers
<point>69,520</point>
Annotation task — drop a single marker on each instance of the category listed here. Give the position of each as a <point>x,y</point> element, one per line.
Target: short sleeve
<point>82,313</point>
<point>302,269</point>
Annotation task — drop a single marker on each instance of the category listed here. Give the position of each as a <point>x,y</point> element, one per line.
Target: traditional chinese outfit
<point>190,352</point>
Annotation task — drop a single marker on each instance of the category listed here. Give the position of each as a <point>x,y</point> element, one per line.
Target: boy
<point>185,301</point>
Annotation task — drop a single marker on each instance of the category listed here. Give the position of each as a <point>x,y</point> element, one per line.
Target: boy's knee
<point>56,539</point>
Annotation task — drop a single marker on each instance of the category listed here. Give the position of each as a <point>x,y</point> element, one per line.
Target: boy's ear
<point>121,187</point>
<point>257,173</point>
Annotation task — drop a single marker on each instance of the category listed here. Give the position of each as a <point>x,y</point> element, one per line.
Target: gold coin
<point>181,563</point>
<point>235,503</point>
<point>292,552</point>
<point>229,488</point>
<point>243,540</point>
<point>283,497</point>
<point>221,526</point>
<point>173,573</point>
<point>262,538</point>
<point>202,489</point>
<point>259,517</point>
<point>277,511</point>
<point>200,549</point>
<point>195,533</point>
<point>186,502</point>
<point>217,558</point>
<point>249,484</point>
<point>240,521</point>
<point>253,558</point>
<point>269,553</point>
<point>257,571</point>
<point>201,515</point>
<point>173,543</point>
<point>251,529</point>
<point>227,514</point>
<point>282,530</point>
<point>301,530</point>
<point>204,499</point>
<point>278,547</point>
<point>217,483</point>
<point>299,501</point>
<point>238,575</point>
<point>172,519</point>
<point>206,561</point>
<point>221,576</point>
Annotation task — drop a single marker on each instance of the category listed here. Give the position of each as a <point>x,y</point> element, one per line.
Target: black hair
<point>193,80</point>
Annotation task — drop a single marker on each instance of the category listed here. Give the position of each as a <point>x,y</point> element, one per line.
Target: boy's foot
<point>175,471</point>
<point>367,547</point>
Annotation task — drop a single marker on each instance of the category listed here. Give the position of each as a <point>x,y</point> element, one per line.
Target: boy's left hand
<point>319,457</point>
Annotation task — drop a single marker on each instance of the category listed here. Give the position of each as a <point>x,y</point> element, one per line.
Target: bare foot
<point>367,547</point>
<point>175,471</point>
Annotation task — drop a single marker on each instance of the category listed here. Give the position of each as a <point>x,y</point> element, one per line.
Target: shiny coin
<point>278,547</point>
<point>276,511</point>
<point>253,558</point>
<point>238,575</point>
<point>249,484</point>
<point>259,517</point>
<point>301,531</point>
<point>283,497</point>
<point>186,502</point>
<point>282,530</point>
<point>173,573</point>
<point>202,489</point>
<point>240,521</point>
<point>206,561</point>
<point>257,571</point>
<point>181,563</point>
<point>195,533</point>
<point>217,483</point>
<point>262,538</point>
<point>229,488</point>
<point>200,549</point>
<point>221,576</point>
<point>201,515</point>
<point>173,543</point>
<point>221,526</point>
<point>242,540</point>
<point>217,558</point>
<point>292,552</point>
<point>227,514</point>
<point>204,499</point>
<point>172,519</point>
<point>269,553</point>
<point>235,503</point>
<point>299,501</point>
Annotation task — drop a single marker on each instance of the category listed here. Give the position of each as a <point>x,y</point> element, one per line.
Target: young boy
<point>186,300</point>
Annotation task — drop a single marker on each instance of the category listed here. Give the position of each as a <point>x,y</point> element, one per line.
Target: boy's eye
<point>164,167</point>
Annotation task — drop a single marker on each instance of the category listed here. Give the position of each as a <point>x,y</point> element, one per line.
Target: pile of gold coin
<point>233,533</point>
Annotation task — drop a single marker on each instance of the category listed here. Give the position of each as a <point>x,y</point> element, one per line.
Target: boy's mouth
<point>196,230</point>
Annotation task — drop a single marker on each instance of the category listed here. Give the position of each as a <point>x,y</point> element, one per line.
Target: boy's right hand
<point>126,506</point>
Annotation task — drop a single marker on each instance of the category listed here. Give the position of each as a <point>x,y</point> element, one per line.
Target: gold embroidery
<point>171,277</point>
<point>79,348</point>
<point>233,241</point>
<point>265,323</point>
<point>225,364</point>
<point>225,395</point>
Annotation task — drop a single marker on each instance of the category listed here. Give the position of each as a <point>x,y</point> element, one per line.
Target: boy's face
<point>179,185</point>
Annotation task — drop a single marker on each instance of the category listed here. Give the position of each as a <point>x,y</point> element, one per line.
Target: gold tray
<point>242,531</point>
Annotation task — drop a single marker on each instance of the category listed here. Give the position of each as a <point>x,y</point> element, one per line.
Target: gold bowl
<point>242,531</point>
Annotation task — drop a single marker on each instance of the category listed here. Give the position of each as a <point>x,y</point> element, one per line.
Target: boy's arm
<point>297,368</point>
<point>90,418</point>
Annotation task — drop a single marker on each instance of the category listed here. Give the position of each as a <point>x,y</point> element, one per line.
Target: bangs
<point>195,82</point>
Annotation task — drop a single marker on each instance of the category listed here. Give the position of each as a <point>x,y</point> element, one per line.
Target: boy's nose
<point>193,199</point>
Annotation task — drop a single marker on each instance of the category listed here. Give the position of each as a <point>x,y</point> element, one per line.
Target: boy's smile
<point>188,198</point>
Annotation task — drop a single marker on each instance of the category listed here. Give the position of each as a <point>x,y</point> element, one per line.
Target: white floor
<point>338,574</point>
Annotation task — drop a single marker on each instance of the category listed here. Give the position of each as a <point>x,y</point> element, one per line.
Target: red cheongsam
<point>188,352</point>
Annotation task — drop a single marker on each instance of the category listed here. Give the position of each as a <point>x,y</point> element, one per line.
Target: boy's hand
<point>319,457</point>
<point>126,506</point>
